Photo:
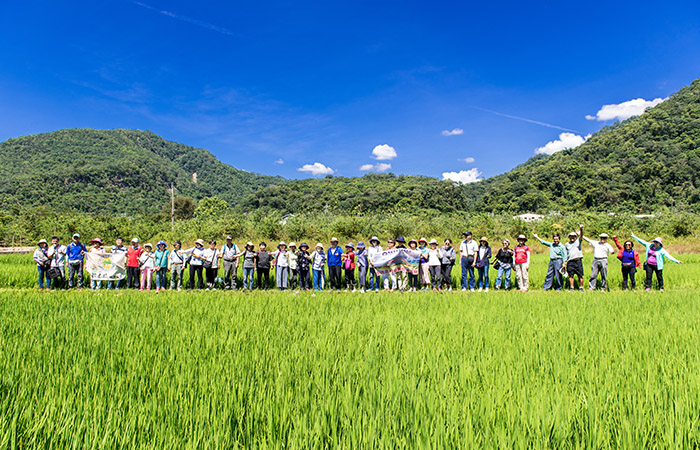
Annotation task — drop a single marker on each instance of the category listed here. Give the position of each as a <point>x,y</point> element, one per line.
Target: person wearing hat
<point>601,251</point>
<point>249,263</point>
<point>372,252</point>
<point>482,264</point>
<point>57,253</point>
<point>282,266</point>
<point>557,256</point>
<point>98,250</point>
<point>196,262</point>
<point>434,262</point>
<point>133,273</point>
<point>574,258</point>
<point>43,263</point>
<point>656,257</point>
<point>423,266</point>
<point>447,262</point>
<point>390,245</point>
<point>230,254</point>
<point>303,266</point>
<point>362,264</point>
<point>160,267</point>
<point>176,265</point>
<point>75,251</point>
<point>629,259</point>
<point>318,262</point>
<point>293,266</point>
<point>118,248</point>
<point>263,260</point>
<point>503,261</point>
<point>349,265</point>
<point>522,263</point>
<point>401,276</point>
<point>146,266</point>
<point>335,261</point>
<point>467,255</point>
<point>414,279</point>
<point>211,265</point>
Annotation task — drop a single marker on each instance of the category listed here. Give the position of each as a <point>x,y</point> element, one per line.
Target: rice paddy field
<point>224,369</point>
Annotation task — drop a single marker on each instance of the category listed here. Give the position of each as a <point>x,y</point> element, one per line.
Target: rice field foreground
<point>225,370</point>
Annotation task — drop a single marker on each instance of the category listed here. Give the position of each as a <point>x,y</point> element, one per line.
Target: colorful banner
<point>397,260</point>
<point>106,266</point>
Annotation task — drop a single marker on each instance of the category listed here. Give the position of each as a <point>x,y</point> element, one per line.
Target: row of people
<point>305,269</point>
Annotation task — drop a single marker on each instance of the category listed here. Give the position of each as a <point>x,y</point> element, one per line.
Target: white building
<point>529,217</point>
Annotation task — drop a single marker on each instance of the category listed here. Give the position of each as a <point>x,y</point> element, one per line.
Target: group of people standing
<point>351,268</point>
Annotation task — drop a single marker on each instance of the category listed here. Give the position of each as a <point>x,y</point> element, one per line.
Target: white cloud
<point>463,176</point>
<point>566,140</point>
<point>379,167</point>
<point>384,152</point>
<point>624,110</point>
<point>454,132</point>
<point>316,169</point>
<point>467,160</point>
<point>279,161</point>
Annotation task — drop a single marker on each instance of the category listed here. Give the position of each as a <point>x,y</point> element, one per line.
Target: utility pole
<point>172,209</point>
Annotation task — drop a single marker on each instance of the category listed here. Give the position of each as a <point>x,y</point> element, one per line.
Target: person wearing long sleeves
<point>574,258</point>
<point>557,256</point>
<point>335,262</point>
<point>374,250</point>
<point>656,256</point>
<point>504,258</point>
<point>447,262</point>
<point>601,251</point>
<point>467,255</point>
<point>176,264</point>
<point>42,264</point>
<point>362,263</point>
<point>160,267</point>
<point>629,259</point>
<point>482,264</point>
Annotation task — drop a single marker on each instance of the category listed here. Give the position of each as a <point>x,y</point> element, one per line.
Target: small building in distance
<point>529,217</point>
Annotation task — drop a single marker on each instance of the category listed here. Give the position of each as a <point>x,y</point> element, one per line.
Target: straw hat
<point>334,239</point>
<point>249,244</point>
<point>198,241</point>
<point>484,239</point>
<point>319,245</point>
<point>148,245</point>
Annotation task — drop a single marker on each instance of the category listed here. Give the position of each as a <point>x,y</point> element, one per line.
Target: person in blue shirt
<point>76,254</point>
<point>334,264</point>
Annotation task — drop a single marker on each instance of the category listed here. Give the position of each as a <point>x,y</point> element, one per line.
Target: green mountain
<point>643,164</point>
<point>114,171</point>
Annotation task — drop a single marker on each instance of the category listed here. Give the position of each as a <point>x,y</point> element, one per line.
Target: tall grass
<point>224,370</point>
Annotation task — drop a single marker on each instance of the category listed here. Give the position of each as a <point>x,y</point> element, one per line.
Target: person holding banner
<point>386,276</point>
<point>132,264</point>
<point>434,258</point>
<point>372,252</point>
<point>116,249</point>
<point>401,276</point>
<point>43,262</point>
<point>176,264</point>
<point>96,250</point>
<point>424,267</point>
<point>414,280</point>
<point>146,265</point>
<point>161,265</point>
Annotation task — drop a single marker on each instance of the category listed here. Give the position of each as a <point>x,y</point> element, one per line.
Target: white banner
<point>106,266</point>
<point>397,260</point>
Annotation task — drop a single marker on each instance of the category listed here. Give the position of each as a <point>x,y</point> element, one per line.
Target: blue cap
<point>162,242</point>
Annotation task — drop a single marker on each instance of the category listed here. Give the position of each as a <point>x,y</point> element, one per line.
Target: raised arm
<point>671,258</point>
<point>617,243</point>
<point>641,241</point>
<point>542,241</point>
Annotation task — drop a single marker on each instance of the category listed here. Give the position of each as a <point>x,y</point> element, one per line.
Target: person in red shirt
<point>349,264</point>
<point>132,264</point>
<point>522,263</point>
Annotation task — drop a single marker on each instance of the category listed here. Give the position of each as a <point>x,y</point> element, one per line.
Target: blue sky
<point>273,86</point>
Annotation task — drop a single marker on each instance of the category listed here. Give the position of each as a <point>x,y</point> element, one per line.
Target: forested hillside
<point>113,171</point>
<point>644,164</point>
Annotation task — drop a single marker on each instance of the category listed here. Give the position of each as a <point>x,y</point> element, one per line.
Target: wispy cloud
<point>379,167</point>
<point>199,23</point>
<point>467,160</point>
<point>279,161</point>
<point>524,119</point>
<point>453,132</point>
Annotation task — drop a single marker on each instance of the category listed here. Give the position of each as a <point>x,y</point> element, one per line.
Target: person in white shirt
<point>230,253</point>
<point>43,262</point>
<point>601,251</point>
<point>434,264</point>
<point>147,263</point>
<point>57,253</point>
<point>467,254</point>
<point>210,262</point>
<point>282,266</point>
<point>293,265</point>
<point>574,258</point>
<point>195,261</point>
<point>372,252</point>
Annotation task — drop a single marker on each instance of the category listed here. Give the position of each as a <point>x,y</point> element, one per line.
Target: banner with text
<point>106,266</point>
<point>397,260</point>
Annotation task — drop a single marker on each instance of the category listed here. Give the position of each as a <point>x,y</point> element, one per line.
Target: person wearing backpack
<point>76,255</point>
<point>161,265</point>
<point>176,265</point>
<point>629,260</point>
<point>43,262</point>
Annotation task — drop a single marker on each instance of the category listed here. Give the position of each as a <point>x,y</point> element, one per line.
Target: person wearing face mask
<point>557,256</point>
